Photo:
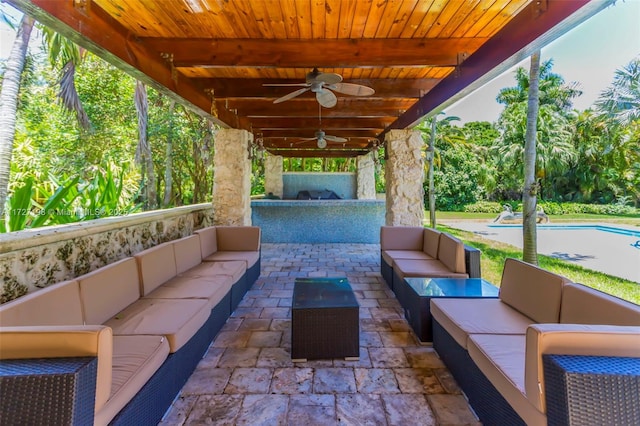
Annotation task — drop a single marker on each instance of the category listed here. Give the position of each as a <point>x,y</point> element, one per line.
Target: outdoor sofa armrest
<point>238,238</point>
<point>573,339</point>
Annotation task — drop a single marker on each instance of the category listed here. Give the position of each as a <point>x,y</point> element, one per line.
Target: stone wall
<point>404,174</point>
<point>232,177</point>
<point>366,179</point>
<point>36,258</point>
<point>273,175</point>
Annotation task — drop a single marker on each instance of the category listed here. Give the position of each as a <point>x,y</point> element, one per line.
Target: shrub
<point>483,207</point>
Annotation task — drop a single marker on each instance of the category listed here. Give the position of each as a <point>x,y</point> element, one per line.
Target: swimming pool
<point>603,228</point>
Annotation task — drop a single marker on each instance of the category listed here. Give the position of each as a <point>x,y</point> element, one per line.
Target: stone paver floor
<point>248,378</point>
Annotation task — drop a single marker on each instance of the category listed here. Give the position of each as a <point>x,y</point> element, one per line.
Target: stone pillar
<point>232,177</point>
<point>366,179</point>
<point>404,174</point>
<point>273,175</point>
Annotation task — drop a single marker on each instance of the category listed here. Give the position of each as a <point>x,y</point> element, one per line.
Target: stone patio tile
<point>180,410</point>
<point>281,294</point>
<point>281,313</point>
<point>266,303</point>
<point>215,409</point>
<point>399,325</point>
<point>267,410</point>
<point>246,313</point>
<point>423,357</point>
<point>274,357</point>
<point>265,339</point>
<point>388,358</point>
<point>312,410</point>
<point>376,380</point>
<point>375,325</point>
<point>368,303</point>
<point>418,380</point>
<point>364,361</point>
<point>239,357</point>
<point>379,294</point>
<point>390,304</point>
<point>280,325</point>
<point>255,324</point>
<point>231,339</point>
<point>408,410</point>
<point>360,409</point>
<point>249,380</point>
<point>452,410</point>
<point>292,380</point>
<point>232,324</point>
<point>384,313</point>
<point>370,339</point>
<point>447,381</point>
<point>207,381</point>
<point>211,358</point>
<point>334,380</point>
<point>246,302</point>
<point>398,339</point>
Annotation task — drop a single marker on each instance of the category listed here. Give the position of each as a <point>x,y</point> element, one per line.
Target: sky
<point>588,54</point>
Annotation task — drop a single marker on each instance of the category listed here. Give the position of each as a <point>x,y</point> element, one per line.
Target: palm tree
<point>529,194</point>
<point>621,100</point>
<point>9,103</point>
<point>143,151</point>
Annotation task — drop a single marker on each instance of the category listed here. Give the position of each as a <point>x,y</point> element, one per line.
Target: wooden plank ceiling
<point>218,55</point>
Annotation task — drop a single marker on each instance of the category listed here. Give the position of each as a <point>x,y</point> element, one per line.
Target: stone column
<point>273,175</point>
<point>404,174</point>
<point>366,179</point>
<point>232,177</point>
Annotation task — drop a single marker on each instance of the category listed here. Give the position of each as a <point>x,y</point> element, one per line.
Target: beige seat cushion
<point>501,359</point>
<point>238,238</point>
<point>232,268</point>
<point>391,255</point>
<point>157,265</point>
<point>208,241</point>
<point>58,304</point>
<point>532,290</point>
<point>212,288</point>
<point>187,252</point>
<point>463,317</point>
<point>177,319</point>
<point>401,238</point>
<point>451,253</point>
<point>584,305</point>
<point>135,360</point>
<point>431,242</point>
<point>424,268</point>
<point>248,257</point>
<point>108,290</point>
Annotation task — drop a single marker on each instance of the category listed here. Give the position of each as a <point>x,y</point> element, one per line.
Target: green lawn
<point>494,254</point>
<point>627,220</point>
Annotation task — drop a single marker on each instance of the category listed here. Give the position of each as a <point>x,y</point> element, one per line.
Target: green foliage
<point>18,207</point>
<point>484,207</point>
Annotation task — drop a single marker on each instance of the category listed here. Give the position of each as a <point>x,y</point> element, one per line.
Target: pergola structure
<point>219,56</point>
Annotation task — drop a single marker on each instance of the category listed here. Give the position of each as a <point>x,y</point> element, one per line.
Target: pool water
<point>611,229</point>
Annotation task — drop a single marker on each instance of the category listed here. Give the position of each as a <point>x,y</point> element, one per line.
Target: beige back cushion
<point>63,342</point>
<point>58,304</point>
<point>573,339</point>
<point>187,253</point>
<point>451,253</point>
<point>431,241</point>
<point>238,238</point>
<point>401,237</point>
<point>108,290</point>
<point>584,305</point>
<point>156,265</point>
<point>208,241</point>
<point>531,290</point>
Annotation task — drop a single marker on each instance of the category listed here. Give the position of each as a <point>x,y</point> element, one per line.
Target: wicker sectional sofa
<point>497,349</point>
<point>141,324</point>
<point>412,251</point>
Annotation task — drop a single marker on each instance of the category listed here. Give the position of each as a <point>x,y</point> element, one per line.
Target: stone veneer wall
<point>273,175</point>
<point>404,174</point>
<point>232,177</point>
<point>366,179</point>
<point>36,258</point>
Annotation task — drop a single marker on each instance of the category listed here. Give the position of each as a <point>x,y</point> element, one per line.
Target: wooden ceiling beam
<point>535,26</point>
<point>318,153</point>
<point>356,107</point>
<point>254,88</point>
<point>309,132</point>
<point>93,29</point>
<point>321,53</point>
<point>354,123</point>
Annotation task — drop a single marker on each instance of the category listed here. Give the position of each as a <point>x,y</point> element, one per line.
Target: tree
<point>9,103</point>
<point>143,151</point>
<point>529,194</point>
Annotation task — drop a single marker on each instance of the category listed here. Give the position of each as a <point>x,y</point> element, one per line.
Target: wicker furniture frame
<point>324,320</point>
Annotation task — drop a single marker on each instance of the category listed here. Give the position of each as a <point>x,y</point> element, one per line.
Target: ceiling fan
<point>322,84</point>
<point>323,138</point>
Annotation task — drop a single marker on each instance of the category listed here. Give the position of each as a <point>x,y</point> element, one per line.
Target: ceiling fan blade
<point>326,98</point>
<point>286,85</point>
<point>291,95</point>
<point>334,138</point>
<point>352,89</point>
<point>329,78</point>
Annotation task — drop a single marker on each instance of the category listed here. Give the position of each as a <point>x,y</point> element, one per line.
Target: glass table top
<point>452,287</point>
<point>323,293</point>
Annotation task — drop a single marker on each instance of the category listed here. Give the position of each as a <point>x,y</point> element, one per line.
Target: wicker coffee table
<point>324,320</point>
